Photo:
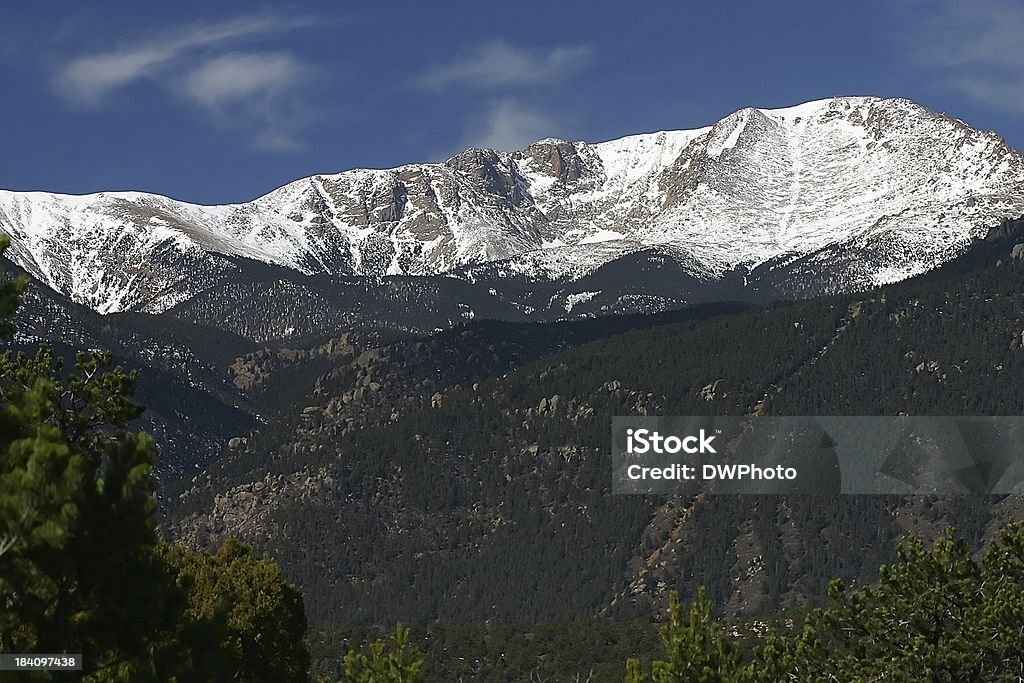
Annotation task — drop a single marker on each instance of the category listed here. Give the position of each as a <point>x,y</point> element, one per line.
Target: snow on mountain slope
<point>764,184</point>
<point>907,187</point>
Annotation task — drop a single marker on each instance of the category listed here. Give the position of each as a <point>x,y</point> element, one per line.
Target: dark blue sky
<point>218,102</point>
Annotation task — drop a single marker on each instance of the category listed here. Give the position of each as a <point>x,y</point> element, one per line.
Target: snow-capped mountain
<point>874,189</point>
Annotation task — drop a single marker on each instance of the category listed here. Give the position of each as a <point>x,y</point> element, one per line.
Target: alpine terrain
<point>831,195</point>
<point>462,478</point>
<point>398,385</point>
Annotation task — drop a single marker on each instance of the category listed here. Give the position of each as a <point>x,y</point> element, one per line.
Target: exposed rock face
<point>874,190</point>
<point>251,371</point>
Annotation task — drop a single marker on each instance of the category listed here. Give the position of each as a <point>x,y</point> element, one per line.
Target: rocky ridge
<point>868,190</point>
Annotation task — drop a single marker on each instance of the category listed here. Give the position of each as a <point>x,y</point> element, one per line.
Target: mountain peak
<point>904,186</point>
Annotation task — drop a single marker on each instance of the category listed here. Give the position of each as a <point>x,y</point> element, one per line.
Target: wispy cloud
<point>259,86</point>
<point>201,65</point>
<point>517,116</point>
<point>509,125</point>
<point>229,78</point>
<point>974,48</point>
<point>89,78</point>
<point>499,65</point>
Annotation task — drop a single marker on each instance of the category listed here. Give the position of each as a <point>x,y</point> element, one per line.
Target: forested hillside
<point>466,475</point>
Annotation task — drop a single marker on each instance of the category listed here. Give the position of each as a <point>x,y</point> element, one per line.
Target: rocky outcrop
<point>250,372</point>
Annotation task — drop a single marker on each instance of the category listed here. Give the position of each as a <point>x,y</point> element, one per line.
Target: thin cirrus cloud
<point>198,64</point>
<point>499,65</point>
<point>974,48</point>
<point>228,79</point>
<point>509,121</point>
<point>508,125</point>
<point>259,89</point>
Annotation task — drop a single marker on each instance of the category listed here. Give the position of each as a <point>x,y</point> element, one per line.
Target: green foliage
<point>697,648</point>
<point>10,291</point>
<point>81,568</point>
<point>936,612</point>
<point>260,616</point>
<point>392,660</point>
<point>78,567</point>
<point>78,572</point>
<point>585,649</point>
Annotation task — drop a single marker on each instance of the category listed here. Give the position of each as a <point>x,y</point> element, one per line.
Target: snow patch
<point>573,300</point>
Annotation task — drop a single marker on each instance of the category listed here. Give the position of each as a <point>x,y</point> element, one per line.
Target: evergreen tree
<point>10,292</point>
<point>391,660</point>
<point>262,616</point>
<point>937,613</point>
<point>81,568</point>
<point>78,571</point>
<point>698,649</point>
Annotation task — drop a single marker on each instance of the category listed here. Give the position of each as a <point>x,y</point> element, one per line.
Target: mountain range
<point>398,383</point>
<point>831,195</point>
